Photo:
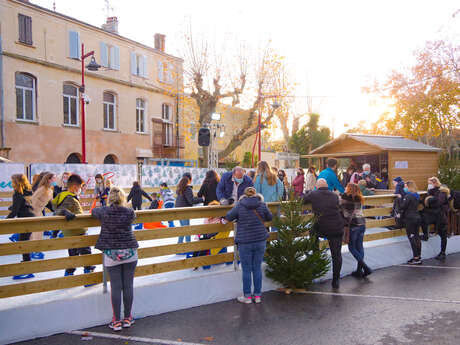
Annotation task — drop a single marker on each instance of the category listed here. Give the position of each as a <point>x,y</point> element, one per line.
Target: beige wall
<point>231,117</point>
<point>48,140</point>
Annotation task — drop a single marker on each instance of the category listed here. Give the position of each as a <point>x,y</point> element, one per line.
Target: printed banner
<point>6,170</point>
<point>121,175</point>
<point>154,175</point>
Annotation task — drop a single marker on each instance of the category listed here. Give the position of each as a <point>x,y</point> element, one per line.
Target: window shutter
<point>160,71</point>
<point>133,63</point>
<point>104,55</point>
<point>28,29</point>
<point>115,58</point>
<point>74,45</point>
<point>22,27</point>
<point>170,113</point>
<point>144,66</point>
<point>170,73</point>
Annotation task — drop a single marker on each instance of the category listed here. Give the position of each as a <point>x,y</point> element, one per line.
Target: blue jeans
<point>355,246</point>
<point>251,256</point>
<point>184,222</point>
<point>170,205</point>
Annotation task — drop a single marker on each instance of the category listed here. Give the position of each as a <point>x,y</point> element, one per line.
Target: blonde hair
<point>362,183</point>
<point>435,181</point>
<point>117,197</point>
<point>108,183</point>
<point>411,186</point>
<point>45,181</point>
<point>264,170</point>
<point>20,183</point>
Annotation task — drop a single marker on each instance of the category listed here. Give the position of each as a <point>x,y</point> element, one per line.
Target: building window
<point>111,159</point>
<point>25,97</point>
<point>138,65</point>
<point>110,56</point>
<point>74,158</point>
<point>165,72</point>
<point>166,115</point>
<point>70,98</point>
<point>109,111</point>
<point>74,45</point>
<point>25,29</point>
<point>140,115</point>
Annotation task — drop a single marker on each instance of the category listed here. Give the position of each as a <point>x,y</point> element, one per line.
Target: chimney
<point>111,25</point>
<point>160,42</point>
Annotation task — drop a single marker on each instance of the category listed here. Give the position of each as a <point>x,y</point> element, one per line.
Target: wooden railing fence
<point>379,205</point>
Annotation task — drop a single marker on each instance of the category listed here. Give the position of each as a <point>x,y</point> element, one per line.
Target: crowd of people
<point>337,204</point>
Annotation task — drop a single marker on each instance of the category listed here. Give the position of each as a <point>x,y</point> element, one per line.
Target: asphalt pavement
<point>413,305</point>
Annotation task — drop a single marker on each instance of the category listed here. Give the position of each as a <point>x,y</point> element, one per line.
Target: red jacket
<point>298,184</point>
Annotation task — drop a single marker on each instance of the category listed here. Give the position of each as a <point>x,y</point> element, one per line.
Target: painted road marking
<point>421,266</point>
<point>383,297</point>
<point>124,337</point>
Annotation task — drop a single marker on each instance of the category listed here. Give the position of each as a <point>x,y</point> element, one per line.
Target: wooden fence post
<point>235,249</point>
<point>104,275</point>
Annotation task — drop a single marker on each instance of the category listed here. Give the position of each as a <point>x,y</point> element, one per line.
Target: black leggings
<point>412,231</point>
<point>335,245</point>
<point>122,279</point>
<point>25,236</point>
<point>440,226</point>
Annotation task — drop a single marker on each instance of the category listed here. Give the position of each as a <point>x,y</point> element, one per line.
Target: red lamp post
<point>92,66</point>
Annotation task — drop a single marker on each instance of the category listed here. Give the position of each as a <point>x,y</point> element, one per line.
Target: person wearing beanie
<point>398,184</point>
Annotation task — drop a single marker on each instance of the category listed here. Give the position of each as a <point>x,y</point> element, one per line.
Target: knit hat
<point>398,179</point>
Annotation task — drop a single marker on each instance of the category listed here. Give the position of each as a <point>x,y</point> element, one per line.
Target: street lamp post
<point>92,66</point>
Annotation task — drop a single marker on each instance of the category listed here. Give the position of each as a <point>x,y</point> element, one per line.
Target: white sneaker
<point>245,300</point>
<point>257,299</point>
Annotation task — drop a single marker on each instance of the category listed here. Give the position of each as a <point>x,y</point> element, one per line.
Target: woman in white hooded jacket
<point>41,198</point>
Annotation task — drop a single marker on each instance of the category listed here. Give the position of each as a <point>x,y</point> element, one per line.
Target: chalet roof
<point>383,142</point>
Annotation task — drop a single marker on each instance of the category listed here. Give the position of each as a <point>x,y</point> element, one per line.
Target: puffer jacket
<point>116,231</point>
<point>250,227</point>
<point>409,207</point>
<point>437,202</point>
<point>70,202</point>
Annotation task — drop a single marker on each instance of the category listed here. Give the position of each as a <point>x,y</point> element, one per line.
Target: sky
<point>333,47</point>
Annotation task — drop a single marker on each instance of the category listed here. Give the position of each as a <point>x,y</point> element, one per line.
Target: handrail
<point>378,207</point>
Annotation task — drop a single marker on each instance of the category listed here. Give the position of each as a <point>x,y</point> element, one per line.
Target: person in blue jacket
<point>232,185</point>
<point>330,176</point>
<point>267,183</point>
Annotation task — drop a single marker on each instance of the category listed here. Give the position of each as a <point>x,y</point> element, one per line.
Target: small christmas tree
<point>295,258</point>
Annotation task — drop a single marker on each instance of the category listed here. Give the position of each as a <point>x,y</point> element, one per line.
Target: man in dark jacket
<point>136,193</point>
<point>326,207</point>
<point>232,185</point>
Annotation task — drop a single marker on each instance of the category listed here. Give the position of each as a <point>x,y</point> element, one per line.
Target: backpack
<point>455,198</point>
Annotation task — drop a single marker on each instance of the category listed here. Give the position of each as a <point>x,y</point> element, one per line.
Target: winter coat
<point>99,190</point>
<point>187,199</point>
<point>298,184</point>
<point>437,203</point>
<point>310,182</point>
<point>372,182</point>
<point>250,228</point>
<point>270,193</point>
<point>225,187</point>
<point>68,201</point>
<point>21,205</point>
<point>326,207</point>
<point>399,189</point>
<point>167,195</point>
<point>116,231</point>
<point>136,194</point>
<point>409,208</point>
<point>352,210</point>
<point>366,191</point>
<point>41,198</point>
<point>331,179</point>
<point>209,192</point>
